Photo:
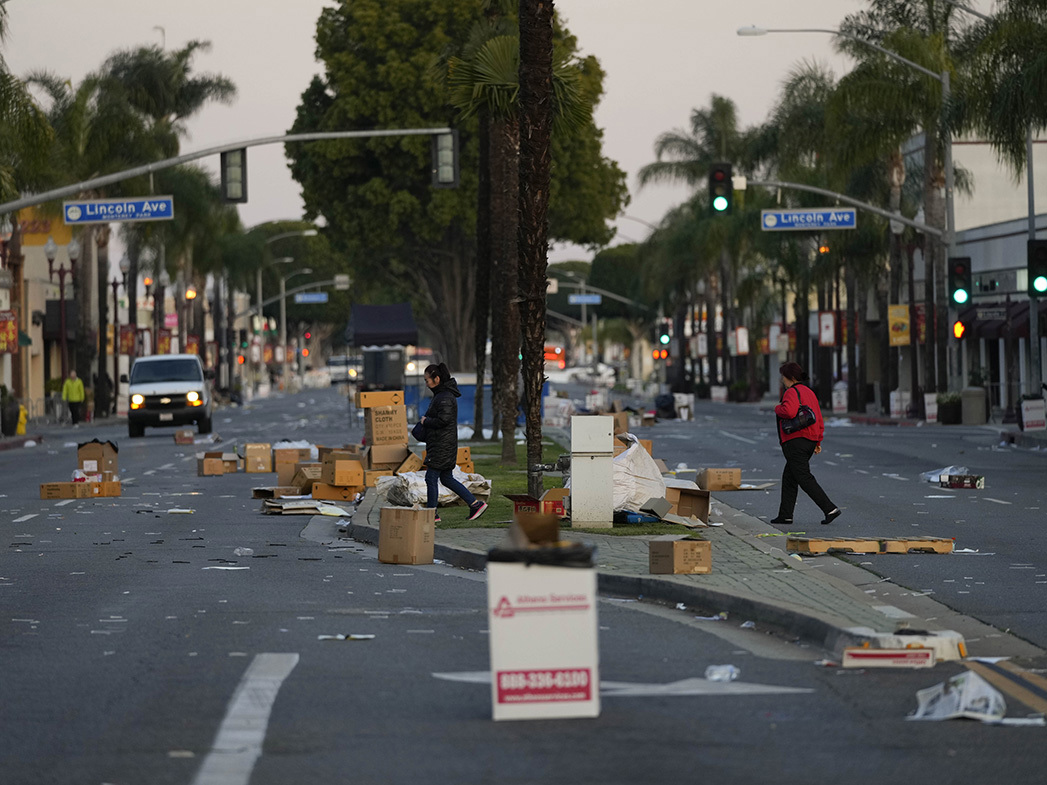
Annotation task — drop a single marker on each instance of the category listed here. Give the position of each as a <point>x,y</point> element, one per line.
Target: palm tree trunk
<point>855,381</point>
<point>536,72</point>
<point>506,185</point>
<point>102,387</point>
<point>483,270</point>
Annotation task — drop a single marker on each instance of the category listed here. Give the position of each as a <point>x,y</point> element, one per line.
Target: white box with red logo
<point>544,649</point>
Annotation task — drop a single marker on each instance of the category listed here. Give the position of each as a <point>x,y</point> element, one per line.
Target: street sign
<point>139,208</point>
<point>584,299</point>
<point>816,219</point>
<point>310,298</point>
<point>990,314</point>
<point>341,282</point>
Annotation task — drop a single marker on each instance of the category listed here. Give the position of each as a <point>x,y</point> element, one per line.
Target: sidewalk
<point>822,600</point>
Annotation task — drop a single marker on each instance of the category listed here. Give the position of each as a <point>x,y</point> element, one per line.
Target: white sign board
<point>543,637</point>
<point>1033,418</point>
<point>826,328</point>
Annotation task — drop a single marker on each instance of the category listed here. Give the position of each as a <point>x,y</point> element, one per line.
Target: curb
<point>11,442</point>
<point>810,627</point>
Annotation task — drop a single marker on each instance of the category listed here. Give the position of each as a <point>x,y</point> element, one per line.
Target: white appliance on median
<point>592,471</point>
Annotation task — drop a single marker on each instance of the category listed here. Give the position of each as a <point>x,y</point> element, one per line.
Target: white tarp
<point>636,476</point>
<point>408,489</point>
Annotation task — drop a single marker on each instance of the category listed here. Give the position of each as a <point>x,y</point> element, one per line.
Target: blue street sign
<point>813,220</point>
<point>310,297</point>
<point>139,208</point>
<point>584,299</point>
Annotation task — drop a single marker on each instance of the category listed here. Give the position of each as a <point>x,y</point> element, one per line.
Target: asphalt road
<point>131,653</point>
<point>872,472</point>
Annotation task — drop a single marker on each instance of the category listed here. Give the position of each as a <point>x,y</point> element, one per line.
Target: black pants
<point>74,411</point>
<point>797,474</point>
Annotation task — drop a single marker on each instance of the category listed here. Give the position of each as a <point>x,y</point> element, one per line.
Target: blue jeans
<point>433,479</point>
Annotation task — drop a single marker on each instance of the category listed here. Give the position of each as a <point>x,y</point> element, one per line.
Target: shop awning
<point>381,326</point>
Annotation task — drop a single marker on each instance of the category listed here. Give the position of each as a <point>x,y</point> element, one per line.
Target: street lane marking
<point>25,518</point>
<point>739,438</point>
<point>238,744</point>
<point>1020,684</point>
<point>998,501</point>
<point>64,503</point>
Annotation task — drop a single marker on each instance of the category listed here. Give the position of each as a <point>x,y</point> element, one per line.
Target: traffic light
<point>307,335</point>
<point>243,339</point>
<point>445,160</point>
<point>1038,268</point>
<point>665,333</point>
<point>240,359</point>
<point>721,189</point>
<point>234,175</point>
<point>958,329</point>
<point>960,285</point>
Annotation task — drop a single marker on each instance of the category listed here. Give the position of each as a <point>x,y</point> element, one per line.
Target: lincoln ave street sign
<point>812,220</point>
<point>139,208</point>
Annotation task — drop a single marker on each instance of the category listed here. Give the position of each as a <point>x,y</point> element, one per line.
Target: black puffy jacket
<point>441,423</point>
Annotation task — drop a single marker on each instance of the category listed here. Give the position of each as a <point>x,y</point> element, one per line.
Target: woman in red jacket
<point>799,446</point>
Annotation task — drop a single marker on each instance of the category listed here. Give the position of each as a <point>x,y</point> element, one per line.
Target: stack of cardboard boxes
<point>98,461</point>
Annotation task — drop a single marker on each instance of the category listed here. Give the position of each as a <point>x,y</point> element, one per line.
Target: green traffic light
<point>663,339</point>
<point>720,204</point>
<point>1039,283</point>
<point>960,296</point>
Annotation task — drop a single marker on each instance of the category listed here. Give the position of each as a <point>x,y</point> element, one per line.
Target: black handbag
<point>804,418</point>
<point>420,432</point>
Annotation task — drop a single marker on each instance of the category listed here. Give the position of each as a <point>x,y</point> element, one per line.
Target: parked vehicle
<point>344,368</point>
<point>168,389</point>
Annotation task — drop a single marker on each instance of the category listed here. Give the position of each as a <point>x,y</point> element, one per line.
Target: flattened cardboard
<point>406,535</point>
<point>672,555</point>
<point>274,491</point>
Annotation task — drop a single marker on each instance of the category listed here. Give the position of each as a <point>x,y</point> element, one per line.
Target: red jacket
<point>790,406</point>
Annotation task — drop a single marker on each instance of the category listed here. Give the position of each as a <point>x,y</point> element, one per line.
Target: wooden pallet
<point>817,545</point>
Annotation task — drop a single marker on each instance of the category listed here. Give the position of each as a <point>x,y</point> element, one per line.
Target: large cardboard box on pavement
<point>675,555</point>
<point>258,458</point>
<point>719,479</point>
<point>543,636</point>
<point>96,457</point>
<point>406,535</point>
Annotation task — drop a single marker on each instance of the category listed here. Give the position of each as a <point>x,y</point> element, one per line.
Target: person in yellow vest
<point>73,395</point>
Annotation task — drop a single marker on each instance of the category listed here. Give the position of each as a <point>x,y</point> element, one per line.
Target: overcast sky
<point>662,58</point>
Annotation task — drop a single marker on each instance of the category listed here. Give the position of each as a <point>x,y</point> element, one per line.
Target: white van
<point>168,389</point>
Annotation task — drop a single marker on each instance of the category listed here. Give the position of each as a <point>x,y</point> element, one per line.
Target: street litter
<point>721,673</point>
<point>934,476</point>
<point>349,637</point>
<point>721,616</point>
<point>865,657</point>
<point>680,606</point>
<point>408,489</point>
<point>243,551</point>
<point>748,625</point>
<point>964,696</point>
<point>225,568</point>
<point>180,511</point>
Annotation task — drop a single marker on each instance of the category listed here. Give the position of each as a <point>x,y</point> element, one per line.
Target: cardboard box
<point>350,450</point>
<point>95,457</point>
<point>412,463</point>
<point>621,422</point>
<point>274,491</point>
<point>648,445</point>
<point>385,425</point>
<point>336,493</point>
<point>365,400</point>
<point>464,455</point>
<point>467,467</point>
<point>386,456</point>
<point>687,501</point>
<point>258,458</point>
<point>551,503</point>
<point>540,528</point>
<point>292,454</point>
<point>212,463</point>
<point>674,555</point>
<point>184,436</point>
<point>79,490</point>
<point>542,624</point>
<point>406,535</point>
<point>647,420</point>
<point>720,479</point>
<point>342,472</point>
<point>371,476</point>
<point>305,476</point>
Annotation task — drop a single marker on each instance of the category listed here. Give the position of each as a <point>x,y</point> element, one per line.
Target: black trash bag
<point>665,407</point>
<point>573,555</point>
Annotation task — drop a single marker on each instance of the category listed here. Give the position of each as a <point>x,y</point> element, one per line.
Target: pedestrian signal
<point>958,329</point>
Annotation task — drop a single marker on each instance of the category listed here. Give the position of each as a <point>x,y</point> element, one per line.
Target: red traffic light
<point>307,335</point>
<point>239,359</point>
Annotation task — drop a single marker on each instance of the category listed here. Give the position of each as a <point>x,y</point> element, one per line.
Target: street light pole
<point>283,321</point>
<point>51,251</point>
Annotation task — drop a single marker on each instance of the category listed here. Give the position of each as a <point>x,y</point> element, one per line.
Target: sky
<point>662,58</point>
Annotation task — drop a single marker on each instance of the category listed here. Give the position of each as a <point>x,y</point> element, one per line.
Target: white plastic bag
<point>636,476</point>
<point>934,475</point>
